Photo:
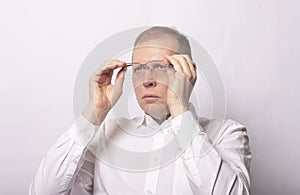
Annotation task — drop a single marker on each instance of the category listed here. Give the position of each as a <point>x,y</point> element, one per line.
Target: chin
<point>156,110</point>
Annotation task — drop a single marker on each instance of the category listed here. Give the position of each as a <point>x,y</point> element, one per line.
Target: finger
<point>118,87</point>
<point>109,66</point>
<point>101,80</point>
<point>114,64</point>
<point>120,79</point>
<point>185,65</point>
<point>175,63</point>
<point>192,66</point>
<point>104,73</point>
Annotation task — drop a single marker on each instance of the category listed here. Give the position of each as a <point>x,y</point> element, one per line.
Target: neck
<point>160,119</point>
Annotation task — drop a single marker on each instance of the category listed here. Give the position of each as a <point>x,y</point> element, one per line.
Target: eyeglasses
<point>157,66</point>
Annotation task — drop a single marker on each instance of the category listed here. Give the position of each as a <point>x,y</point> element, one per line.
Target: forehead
<point>143,55</point>
<point>154,50</point>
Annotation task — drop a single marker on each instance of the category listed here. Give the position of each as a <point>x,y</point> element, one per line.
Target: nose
<point>149,84</point>
<point>149,80</point>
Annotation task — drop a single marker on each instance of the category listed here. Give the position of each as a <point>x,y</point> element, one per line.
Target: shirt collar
<point>146,119</point>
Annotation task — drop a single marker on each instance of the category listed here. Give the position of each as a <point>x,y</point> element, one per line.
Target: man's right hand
<point>102,93</point>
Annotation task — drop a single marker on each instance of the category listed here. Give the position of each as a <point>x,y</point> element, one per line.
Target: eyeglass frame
<point>128,64</point>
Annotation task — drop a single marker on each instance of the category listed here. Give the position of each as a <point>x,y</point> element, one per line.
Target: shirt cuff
<point>185,127</point>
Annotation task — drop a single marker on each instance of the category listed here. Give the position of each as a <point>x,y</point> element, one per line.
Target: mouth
<point>150,98</point>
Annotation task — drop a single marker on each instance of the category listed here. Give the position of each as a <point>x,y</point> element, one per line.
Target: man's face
<point>150,87</point>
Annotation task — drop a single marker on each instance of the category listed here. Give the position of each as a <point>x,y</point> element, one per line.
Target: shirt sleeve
<point>67,163</point>
<point>216,160</point>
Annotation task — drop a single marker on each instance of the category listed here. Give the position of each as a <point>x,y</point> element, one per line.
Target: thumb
<point>118,87</point>
<point>120,79</point>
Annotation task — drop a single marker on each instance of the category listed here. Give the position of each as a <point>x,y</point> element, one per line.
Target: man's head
<point>151,89</point>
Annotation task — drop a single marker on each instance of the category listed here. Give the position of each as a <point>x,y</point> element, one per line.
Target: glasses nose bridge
<point>148,67</point>
<point>149,73</point>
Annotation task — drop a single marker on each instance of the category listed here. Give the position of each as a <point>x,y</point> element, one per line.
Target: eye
<point>139,68</point>
<point>160,67</point>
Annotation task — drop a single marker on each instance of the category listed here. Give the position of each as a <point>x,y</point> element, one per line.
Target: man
<point>214,155</point>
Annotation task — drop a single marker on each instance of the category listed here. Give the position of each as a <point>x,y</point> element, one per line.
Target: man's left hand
<point>181,83</point>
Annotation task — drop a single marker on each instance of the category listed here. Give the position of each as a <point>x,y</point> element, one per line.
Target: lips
<point>150,96</point>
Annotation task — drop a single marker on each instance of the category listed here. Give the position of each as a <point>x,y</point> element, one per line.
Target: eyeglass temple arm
<point>127,65</point>
<point>130,64</point>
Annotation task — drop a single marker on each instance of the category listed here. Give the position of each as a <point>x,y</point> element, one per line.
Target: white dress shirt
<point>216,160</point>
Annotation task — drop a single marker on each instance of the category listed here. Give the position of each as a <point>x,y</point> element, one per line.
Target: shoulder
<point>218,129</point>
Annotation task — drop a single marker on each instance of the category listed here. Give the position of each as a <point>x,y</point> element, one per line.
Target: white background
<point>255,45</point>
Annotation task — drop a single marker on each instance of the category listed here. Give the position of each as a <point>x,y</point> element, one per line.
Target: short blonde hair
<point>157,32</point>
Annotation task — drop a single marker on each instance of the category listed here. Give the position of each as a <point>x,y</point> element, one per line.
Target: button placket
<point>152,176</point>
